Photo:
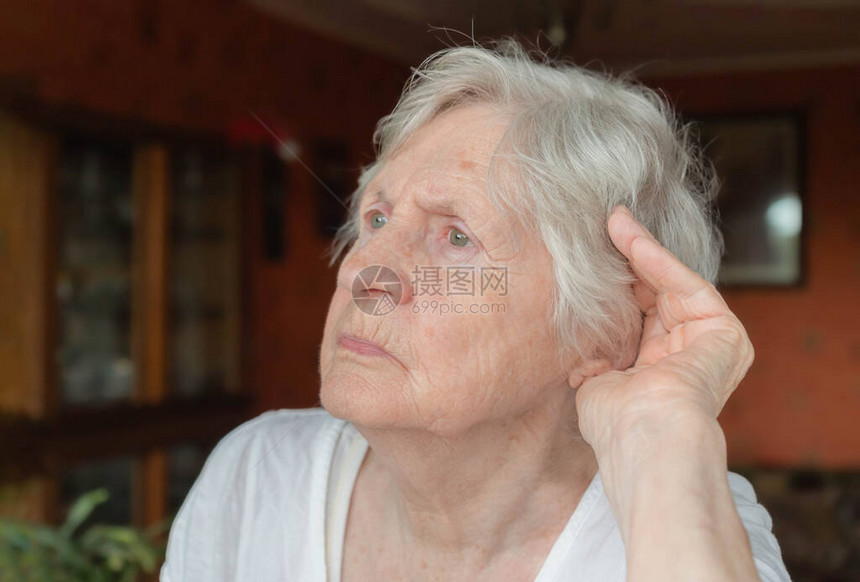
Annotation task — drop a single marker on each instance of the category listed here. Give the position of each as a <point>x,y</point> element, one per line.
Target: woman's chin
<point>353,398</point>
<point>373,408</point>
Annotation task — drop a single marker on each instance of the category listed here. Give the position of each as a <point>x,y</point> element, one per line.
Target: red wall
<point>800,402</point>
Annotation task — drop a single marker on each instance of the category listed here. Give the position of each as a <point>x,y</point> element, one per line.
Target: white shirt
<point>272,500</point>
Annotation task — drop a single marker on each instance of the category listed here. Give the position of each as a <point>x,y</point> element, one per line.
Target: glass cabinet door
<point>94,248</point>
<point>204,280</point>
<point>96,239</point>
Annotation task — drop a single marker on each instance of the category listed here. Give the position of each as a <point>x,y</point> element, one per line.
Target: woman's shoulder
<point>305,421</point>
<point>275,441</point>
<point>261,492</point>
<point>299,424</point>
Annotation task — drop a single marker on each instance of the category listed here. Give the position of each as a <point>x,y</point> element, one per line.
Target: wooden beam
<point>149,273</point>
<point>27,159</point>
<point>149,317</point>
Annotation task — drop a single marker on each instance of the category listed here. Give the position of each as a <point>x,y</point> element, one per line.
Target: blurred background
<point>162,233</point>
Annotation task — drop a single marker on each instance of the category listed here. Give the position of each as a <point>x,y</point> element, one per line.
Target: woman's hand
<point>693,351</point>
<point>653,427</point>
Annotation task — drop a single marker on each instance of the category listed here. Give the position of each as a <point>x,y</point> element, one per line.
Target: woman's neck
<point>488,491</point>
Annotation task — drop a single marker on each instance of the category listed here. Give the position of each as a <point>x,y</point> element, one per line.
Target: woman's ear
<point>585,369</point>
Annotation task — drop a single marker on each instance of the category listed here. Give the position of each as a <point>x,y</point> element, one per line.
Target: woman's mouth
<point>363,347</point>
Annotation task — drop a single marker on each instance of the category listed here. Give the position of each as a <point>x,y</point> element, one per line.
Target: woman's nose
<point>380,265</point>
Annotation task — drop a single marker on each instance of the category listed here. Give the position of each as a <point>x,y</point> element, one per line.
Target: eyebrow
<point>445,206</point>
<point>379,196</point>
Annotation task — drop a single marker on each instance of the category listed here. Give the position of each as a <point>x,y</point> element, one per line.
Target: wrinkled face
<point>469,340</point>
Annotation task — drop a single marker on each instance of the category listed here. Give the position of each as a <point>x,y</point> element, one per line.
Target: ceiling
<point>661,37</point>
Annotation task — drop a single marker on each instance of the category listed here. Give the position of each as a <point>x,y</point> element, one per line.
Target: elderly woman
<point>520,380</point>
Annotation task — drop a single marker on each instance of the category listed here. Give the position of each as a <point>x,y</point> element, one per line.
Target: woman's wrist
<point>669,453</point>
<point>669,491</point>
<point>639,436</point>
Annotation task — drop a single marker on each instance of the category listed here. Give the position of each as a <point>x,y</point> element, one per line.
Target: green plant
<point>70,553</point>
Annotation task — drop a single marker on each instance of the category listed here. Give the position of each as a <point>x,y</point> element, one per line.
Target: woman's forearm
<point>669,490</point>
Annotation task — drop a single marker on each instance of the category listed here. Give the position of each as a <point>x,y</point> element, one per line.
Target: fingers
<point>623,229</point>
<point>673,283</point>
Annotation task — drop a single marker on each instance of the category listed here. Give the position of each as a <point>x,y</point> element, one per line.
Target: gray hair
<point>579,143</point>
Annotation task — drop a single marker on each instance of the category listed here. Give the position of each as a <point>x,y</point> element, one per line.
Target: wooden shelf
<point>49,447</point>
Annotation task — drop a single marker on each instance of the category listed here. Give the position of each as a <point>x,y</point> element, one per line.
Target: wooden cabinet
<point>121,313</point>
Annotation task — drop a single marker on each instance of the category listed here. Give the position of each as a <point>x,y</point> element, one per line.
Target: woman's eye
<point>377,220</point>
<point>458,238</point>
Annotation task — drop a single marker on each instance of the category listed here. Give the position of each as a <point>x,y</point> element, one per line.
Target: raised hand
<point>661,453</point>
<point>693,353</point>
